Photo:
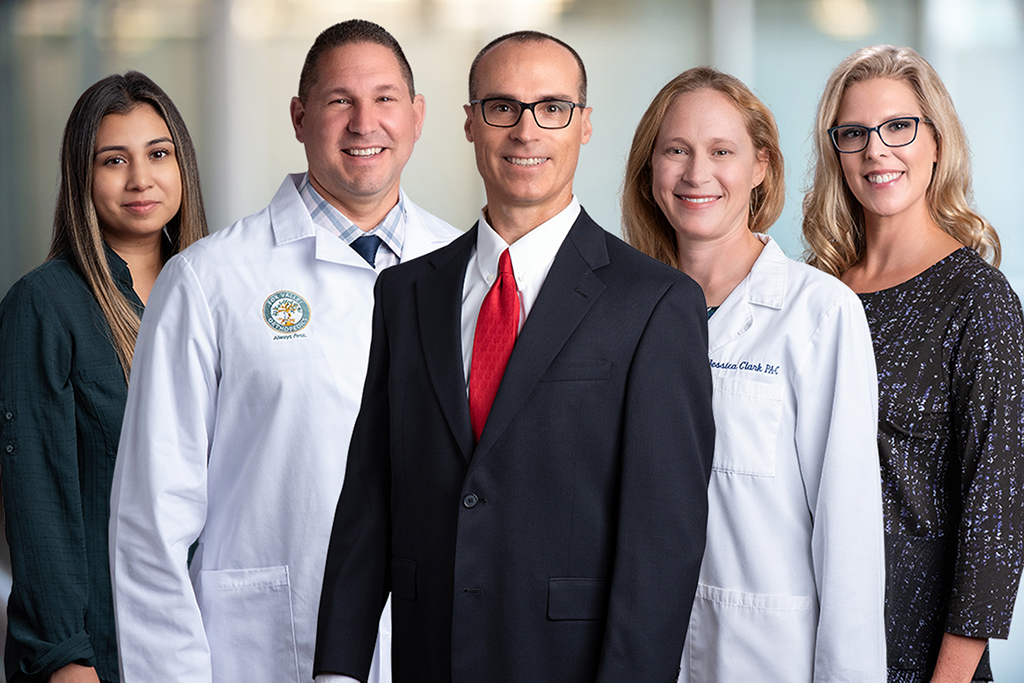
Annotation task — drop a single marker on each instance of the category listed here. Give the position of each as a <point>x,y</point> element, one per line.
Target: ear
<point>298,114</point>
<point>468,126</point>
<point>419,109</point>
<point>588,128</point>
<point>760,168</point>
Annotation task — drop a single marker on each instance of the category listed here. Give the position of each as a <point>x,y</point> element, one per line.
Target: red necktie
<point>496,330</point>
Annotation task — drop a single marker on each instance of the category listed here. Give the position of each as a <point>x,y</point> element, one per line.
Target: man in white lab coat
<point>247,377</point>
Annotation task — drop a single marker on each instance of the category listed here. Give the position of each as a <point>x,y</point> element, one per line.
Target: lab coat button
<point>470,500</point>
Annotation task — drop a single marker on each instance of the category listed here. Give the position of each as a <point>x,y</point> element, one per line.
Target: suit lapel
<point>439,305</point>
<point>568,292</point>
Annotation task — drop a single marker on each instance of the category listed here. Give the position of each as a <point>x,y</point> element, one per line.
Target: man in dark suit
<point>528,472</point>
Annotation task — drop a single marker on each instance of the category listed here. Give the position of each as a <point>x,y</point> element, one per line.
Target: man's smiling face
<point>358,124</point>
<point>527,166</point>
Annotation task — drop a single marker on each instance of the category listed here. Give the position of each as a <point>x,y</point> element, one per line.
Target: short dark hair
<point>527,37</point>
<point>351,31</point>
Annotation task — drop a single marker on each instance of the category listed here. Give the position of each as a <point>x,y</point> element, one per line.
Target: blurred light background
<point>232,66</point>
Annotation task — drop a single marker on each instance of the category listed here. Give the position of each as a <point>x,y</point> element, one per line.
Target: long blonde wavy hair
<point>77,236</point>
<point>833,224</point>
<point>643,222</point>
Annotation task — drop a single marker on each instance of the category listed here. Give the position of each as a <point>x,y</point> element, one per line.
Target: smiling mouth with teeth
<point>368,152</point>
<point>528,161</point>
<point>697,200</point>
<point>883,178</point>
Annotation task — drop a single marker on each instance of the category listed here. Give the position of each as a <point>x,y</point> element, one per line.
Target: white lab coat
<point>237,434</point>
<point>792,583</point>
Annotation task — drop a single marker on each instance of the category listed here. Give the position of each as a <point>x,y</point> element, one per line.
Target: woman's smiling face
<point>136,182</point>
<point>889,182</point>
<point>704,167</point>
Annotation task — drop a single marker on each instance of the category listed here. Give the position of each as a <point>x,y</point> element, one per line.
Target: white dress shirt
<point>532,256</point>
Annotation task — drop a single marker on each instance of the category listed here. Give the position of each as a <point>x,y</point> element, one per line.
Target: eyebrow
<point>343,90</point>
<point>712,141</point>
<point>888,117</point>
<point>122,148</point>
<point>542,98</point>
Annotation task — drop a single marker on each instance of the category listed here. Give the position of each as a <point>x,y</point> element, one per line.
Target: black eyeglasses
<point>898,132</point>
<point>505,113</point>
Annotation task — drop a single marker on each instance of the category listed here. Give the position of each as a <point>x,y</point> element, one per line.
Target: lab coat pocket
<point>747,417</point>
<point>247,614</point>
<point>737,636</point>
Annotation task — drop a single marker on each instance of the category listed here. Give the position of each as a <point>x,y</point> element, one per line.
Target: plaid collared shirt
<point>391,230</point>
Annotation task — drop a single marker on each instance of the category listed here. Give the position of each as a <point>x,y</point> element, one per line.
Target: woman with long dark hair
<point>129,198</point>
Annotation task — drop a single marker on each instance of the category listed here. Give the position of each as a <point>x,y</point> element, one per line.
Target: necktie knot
<point>366,246</point>
<point>505,267</point>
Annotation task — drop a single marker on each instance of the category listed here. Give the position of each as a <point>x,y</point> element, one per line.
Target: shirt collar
<point>532,253</point>
<point>122,276</point>
<point>118,267</point>
<point>391,230</point>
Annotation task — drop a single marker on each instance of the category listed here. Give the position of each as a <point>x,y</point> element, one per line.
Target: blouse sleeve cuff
<point>77,648</point>
<point>990,619</point>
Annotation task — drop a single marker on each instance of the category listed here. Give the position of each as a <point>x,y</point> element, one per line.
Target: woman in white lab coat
<point>791,586</point>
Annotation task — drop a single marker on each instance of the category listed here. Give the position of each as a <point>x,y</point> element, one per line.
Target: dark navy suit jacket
<point>565,545</point>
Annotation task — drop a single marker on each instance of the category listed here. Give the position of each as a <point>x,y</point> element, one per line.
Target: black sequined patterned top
<point>948,346</point>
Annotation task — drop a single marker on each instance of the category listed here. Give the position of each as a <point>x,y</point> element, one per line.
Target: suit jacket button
<point>470,500</point>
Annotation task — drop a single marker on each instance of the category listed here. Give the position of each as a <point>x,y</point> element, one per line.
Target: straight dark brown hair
<point>76,230</point>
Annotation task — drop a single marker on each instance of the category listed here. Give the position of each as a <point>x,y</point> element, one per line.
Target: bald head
<point>526,37</point>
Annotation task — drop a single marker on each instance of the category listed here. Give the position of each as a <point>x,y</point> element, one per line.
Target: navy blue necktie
<point>366,246</point>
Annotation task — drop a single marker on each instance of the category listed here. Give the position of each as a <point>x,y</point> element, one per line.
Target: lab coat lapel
<point>439,305</point>
<point>290,221</point>
<point>420,239</point>
<point>732,319</point>
<point>568,292</point>
<point>764,285</point>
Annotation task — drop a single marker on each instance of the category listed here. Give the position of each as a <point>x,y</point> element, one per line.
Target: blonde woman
<point>129,198</point>
<point>791,584</point>
<point>889,213</point>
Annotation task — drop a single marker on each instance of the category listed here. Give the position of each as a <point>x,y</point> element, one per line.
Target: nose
<point>140,176</point>
<point>875,146</point>
<point>526,128</point>
<point>695,170</point>
<point>362,119</point>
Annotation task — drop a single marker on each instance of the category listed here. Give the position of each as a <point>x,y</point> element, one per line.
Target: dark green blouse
<point>62,398</point>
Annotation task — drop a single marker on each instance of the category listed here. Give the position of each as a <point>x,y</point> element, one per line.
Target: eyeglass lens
<point>894,133</point>
<point>548,114</point>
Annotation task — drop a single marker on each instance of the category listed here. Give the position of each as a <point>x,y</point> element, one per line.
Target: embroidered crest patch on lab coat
<point>286,312</point>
